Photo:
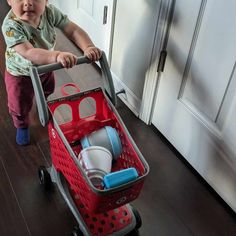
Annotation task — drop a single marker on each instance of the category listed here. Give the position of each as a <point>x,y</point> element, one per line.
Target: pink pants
<point>20,96</point>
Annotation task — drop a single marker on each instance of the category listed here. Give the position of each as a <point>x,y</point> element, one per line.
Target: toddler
<point>29,33</point>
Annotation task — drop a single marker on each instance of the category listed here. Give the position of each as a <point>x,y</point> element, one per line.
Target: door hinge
<point>162,61</point>
<point>105,10</point>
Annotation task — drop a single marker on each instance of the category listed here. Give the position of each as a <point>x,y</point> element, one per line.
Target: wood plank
<point>3,11</point>
<point>2,55</point>
<point>10,213</point>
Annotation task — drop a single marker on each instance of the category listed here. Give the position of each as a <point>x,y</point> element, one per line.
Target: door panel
<point>213,46</point>
<point>96,17</point>
<point>195,101</point>
<point>86,6</point>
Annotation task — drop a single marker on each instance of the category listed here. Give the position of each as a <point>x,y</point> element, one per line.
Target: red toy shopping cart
<point>98,210</point>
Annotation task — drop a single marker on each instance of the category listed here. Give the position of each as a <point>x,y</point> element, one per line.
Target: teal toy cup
<point>106,137</point>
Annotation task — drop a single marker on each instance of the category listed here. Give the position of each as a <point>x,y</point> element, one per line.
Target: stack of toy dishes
<point>100,149</point>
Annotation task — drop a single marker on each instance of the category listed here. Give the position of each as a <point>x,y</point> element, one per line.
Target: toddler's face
<point>28,10</point>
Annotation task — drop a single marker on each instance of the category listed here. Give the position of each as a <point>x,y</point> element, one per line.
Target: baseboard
<point>129,98</point>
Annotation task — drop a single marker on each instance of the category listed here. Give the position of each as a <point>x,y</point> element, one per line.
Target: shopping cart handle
<point>38,90</point>
<point>57,66</point>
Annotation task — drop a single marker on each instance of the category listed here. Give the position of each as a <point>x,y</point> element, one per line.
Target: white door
<point>195,104</point>
<point>96,17</point>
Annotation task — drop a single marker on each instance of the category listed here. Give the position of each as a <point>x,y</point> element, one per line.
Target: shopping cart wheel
<point>77,232</point>
<point>44,178</point>
<point>137,217</point>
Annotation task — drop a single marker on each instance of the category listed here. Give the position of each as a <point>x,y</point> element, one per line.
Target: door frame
<point>153,76</point>
<point>109,56</point>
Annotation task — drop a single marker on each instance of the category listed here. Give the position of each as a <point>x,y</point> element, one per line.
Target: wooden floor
<point>175,201</point>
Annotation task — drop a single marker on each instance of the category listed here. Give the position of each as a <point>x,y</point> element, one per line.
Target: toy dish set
<point>95,162</point>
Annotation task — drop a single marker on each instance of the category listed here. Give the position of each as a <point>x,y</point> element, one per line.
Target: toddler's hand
<point>67,59</point>
<point>93,53</point>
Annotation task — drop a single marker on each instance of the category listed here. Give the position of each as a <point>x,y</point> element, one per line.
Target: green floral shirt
<point>16,31</point>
